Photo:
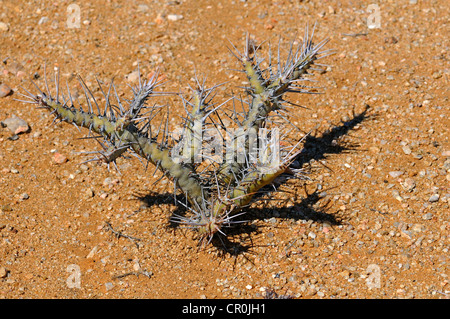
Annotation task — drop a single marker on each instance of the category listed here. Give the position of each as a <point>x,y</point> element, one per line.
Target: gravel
<point>377,227</point>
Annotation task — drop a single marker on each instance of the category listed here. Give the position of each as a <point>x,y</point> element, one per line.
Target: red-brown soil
<point>363,226</point>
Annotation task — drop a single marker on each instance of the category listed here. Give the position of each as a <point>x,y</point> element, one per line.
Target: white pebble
<point>311,235</point>
<point>43,20</point>
<point>133,77</point>
<point>3,26</point>
<point>109,286</point>
<point>406,150</point>
<point>174,17</point>
<point>395,174</point>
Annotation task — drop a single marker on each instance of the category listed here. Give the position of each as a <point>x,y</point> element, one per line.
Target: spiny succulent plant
<point>218,168</point>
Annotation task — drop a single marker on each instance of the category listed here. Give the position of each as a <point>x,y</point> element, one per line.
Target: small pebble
<point>437,75</point>
<point>15,125</point>
<point>396,195</point>
<point>133,77</point>
<point>136,266</point>
<point>21,74</point>
<point>109,286</point>
<point>3,26</point>
<point>406,150</point>
<point>42,20</point>
<point>14,137</point>
<point>15,67</point>
<point>427,216</point>
<point>5,90</point>
<point>89,193</point>
<point>59,158</point>
<point>409,184</point>
<point>92,252</point>
<point>107,181</point>
<point>3,272</point>
<point>434,198</point>
<point>159,19</point>
<point>174,17</point>
<point>418,228</point>
<point>395,174</point>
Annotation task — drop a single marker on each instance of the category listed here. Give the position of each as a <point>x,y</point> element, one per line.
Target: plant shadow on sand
<point>239,237</point>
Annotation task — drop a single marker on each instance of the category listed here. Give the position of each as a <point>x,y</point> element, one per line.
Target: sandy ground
<point>373,221</point>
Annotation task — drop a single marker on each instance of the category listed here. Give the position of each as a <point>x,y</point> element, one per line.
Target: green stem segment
<point>114,130</point>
